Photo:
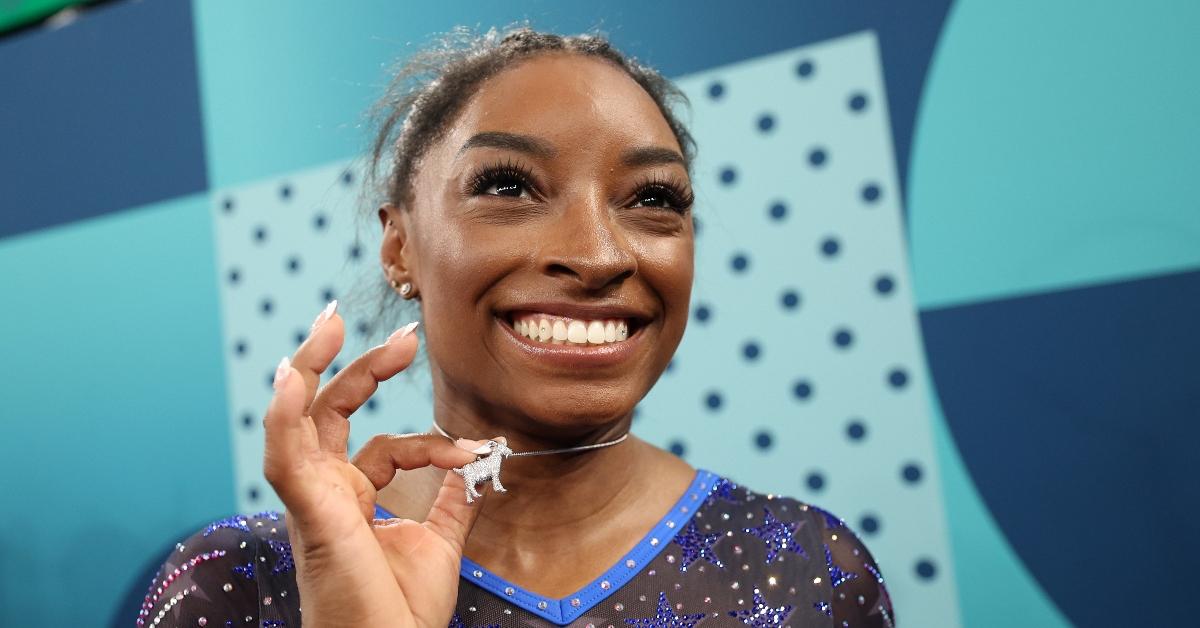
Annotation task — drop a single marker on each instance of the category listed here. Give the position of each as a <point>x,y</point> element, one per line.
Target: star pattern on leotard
<point>695,545</point>
<point>831,521</point>
<point>837,576</point>
<point>762,615</point>
<point>665,617</point>
<point>779,536</point>
<point>722,490</point>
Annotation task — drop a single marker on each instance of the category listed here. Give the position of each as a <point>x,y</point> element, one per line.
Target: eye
<point>506,186</point>
<point>664,195</point>
<point>505,179</point>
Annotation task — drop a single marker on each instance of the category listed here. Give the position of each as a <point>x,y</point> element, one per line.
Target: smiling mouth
<point>550,329</point>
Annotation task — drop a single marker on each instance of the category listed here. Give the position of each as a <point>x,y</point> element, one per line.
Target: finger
<point>290,437</point>
<point>353,385</point>
<point>316,353</point>
<point>381,456</point>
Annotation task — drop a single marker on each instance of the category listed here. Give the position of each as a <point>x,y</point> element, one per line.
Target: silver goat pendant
<point>486,467</point>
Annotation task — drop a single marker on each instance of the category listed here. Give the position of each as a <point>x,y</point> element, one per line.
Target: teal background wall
<point>1037,224</point>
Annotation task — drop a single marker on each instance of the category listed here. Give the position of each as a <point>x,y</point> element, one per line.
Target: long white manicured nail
<point>473,446</point>
<point>282,372</point>
<point>402,332</point>
<point>325,315</point>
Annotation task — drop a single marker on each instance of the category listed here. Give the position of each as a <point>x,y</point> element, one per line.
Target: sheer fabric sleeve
<point>860,598</point>
<point>236,571</point>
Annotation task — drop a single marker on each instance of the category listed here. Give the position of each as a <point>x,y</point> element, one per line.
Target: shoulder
<point>851,582</point>
<point>234,568</point>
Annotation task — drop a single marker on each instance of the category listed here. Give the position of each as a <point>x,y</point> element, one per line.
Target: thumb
<point>451,516</point>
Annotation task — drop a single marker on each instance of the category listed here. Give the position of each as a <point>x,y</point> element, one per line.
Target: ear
<point>394,252</point>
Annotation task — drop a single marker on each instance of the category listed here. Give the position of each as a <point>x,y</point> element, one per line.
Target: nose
<point>586,246</point>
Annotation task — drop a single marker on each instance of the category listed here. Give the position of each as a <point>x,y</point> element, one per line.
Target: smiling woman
<point>537,211</point>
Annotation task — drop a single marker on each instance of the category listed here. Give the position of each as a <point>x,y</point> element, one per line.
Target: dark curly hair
<point>430,88</point>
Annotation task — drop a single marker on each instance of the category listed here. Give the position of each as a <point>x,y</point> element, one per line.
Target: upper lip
<point>580,311</point>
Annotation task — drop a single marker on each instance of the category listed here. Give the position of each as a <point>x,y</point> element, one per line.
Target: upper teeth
<point>559,329</point>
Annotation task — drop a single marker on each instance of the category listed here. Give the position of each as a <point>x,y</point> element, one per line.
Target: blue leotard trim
<point>563,611</point>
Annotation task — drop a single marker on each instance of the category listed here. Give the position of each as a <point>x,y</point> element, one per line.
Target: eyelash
<point>674,191</point>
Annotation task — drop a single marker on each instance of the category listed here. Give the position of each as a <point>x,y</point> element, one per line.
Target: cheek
<point>668,266</point>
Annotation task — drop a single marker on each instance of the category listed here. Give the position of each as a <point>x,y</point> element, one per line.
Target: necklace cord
<point>547,452</point>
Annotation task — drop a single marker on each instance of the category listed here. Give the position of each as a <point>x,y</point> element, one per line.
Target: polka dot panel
<point>802,373</point>
<point>786,377</point>
<point>306,257</point>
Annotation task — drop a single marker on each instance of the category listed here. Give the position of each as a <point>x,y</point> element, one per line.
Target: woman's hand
<point>352,569</point>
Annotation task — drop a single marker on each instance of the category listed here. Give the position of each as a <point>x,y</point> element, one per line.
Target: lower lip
<point>574,356</point>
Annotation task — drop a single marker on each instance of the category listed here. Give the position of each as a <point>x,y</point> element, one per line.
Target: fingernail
<point>402,332</point>
<point>325,315</point>
<point>282,371</point>
<point>474,446</point>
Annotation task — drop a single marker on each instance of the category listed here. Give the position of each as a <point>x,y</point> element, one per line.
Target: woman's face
<point>558,198</point>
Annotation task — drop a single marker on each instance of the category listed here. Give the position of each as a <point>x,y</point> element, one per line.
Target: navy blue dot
<point>871,192</point>
<point>319,222</point>
<point>898,378</point>
<point>678,448</point>
<point>751,350</point>
<point>695,225</point>
<point>293,264</point>
<point>778,210</point>
<point>247,420</point>
<point>260,234</point>
<point>790,299</point>
<point>253,494</point>
<point>347,177</point>
<point>817,157</point>
<point>869,524</point>
<point>763,440</point>
<point>372,405</point>
<point>266,306</point>
<point>739,262</point>
<point>327,295</point>
<point>713,400</point>
<point>925,569</point>
<point>227,205</point>
<point>715,90</point>
<point>234,275</point>
<point>766,122</point>
<point>355,251</point>
<point>858,101</point>
<point>335,368</point>
<point>702,313</point>
<point>805,69</point>
<point>911,473</point>
<point>728,175</point>
<point>271,380</point>
<point>240,347</point>
<point>843,338</point>
<point>299,337</point>
<point>815,481</point>
<point>803,389</point>
<point>285,191</point>
<point>671,365</point>
<point>363,328</point>
<point>830,246</point>
<point>856,430</point>
<point>884,284</point>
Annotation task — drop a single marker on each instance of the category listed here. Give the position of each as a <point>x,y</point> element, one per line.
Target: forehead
<point>565,97</point>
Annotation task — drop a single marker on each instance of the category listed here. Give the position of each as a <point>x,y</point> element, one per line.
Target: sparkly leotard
<point>723,556</point>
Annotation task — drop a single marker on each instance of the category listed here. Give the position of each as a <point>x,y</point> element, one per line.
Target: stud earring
<point>405,289</point>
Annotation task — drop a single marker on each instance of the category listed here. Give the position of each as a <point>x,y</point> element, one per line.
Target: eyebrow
<point>632,158</point>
